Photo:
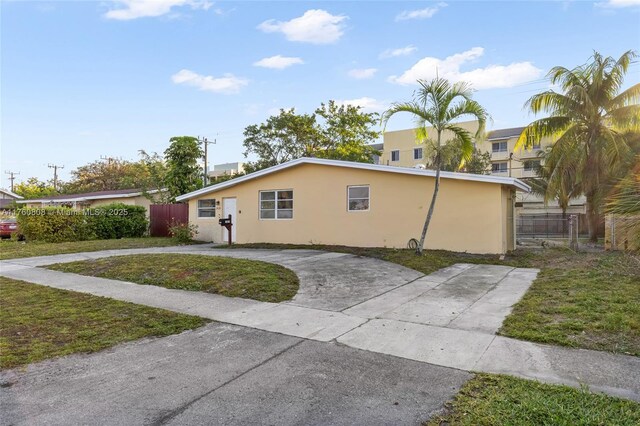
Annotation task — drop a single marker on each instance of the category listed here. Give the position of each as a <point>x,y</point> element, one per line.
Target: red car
<point>8,226</point>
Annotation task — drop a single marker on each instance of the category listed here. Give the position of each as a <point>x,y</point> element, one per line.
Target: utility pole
<point>55,168</point>
<point>12,177</point>
<point>206,159</point>
<point>109,159</point>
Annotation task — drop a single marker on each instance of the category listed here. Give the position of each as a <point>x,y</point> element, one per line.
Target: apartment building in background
<point>226,169</point>
<point>401,148</point>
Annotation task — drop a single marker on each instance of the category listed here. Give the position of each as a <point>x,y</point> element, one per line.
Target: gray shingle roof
<point>505,133</point>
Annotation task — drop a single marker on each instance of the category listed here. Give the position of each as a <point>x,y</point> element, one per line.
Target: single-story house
<point>134,197</point>
<point>7,198</point>
<point>318,201</point>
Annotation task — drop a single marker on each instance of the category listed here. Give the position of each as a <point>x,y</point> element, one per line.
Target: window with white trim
<point>358,198</point>
<point>499,147</point>
<point>276,204</point>
<point>417,153</point>
<point>499,167</point>
<point>395,155</point>
<point>207,208</point>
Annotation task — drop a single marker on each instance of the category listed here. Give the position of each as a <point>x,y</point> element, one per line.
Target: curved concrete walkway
<point>448,318</point>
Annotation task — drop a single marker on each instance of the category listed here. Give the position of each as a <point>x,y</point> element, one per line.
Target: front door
<point>229,208</point>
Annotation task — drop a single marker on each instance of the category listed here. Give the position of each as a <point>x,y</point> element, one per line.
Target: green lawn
<point>10,249</point>
<point>229,277</point>
<point>38,322</point>
<point>587,300</point>
<point>493,400</point>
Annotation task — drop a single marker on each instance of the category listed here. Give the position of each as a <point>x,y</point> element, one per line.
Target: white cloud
<point>425,13</point>
<point>316,26</point>
<point>367,104</point>
<point>225,84</point>
<point>278,62</point>
<point>133,9</point>
<point>616,4</point>
<point>362,74</point>
<point>401,51</point>
<point>492,76</point>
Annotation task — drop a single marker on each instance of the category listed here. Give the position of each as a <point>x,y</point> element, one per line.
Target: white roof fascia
<point>76,199</point>
<point>363,166</point>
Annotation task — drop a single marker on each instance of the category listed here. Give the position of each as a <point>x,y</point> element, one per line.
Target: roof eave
<point>518,184</point>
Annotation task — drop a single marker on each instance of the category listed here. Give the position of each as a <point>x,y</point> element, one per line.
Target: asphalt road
<point>225,374</point>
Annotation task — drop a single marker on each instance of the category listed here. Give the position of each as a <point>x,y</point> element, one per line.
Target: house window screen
<point>276,204</point>
<point>358,198</point>
<point>207,208</point>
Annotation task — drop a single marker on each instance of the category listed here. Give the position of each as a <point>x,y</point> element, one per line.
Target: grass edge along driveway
<point>250,279</point>
<point>10,249</point>
<point>491,400</point>
<point>39,322</point>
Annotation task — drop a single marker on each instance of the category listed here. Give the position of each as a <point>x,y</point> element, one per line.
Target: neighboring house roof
<point>87,196</point>
<point>518,184</point>
<point>377,146</point>
<point>10,194</point>
<point>505,133</point>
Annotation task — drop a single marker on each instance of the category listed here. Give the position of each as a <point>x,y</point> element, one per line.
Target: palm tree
<point>588,121</point>
<point>625,202</point>
<point>439,104</point>
<point>555,182</point>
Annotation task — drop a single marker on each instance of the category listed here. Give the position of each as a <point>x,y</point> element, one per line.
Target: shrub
<point>54,224</point>
<point>183,232</point>
<point>118,220</point>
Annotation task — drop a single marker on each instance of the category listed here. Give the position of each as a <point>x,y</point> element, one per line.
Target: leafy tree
<point>589,119</point>
<point>223,178</point>
<point>281,138</point>
<point>184,173</point>
<point>146,174</point>
<point>346,133</point>
<point>439,104</point>
<point>33,188</point>
<point>332,131</point>
<point>156,172</point>
<point>452,159</point>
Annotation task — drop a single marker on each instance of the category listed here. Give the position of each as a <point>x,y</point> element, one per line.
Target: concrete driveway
<point>359,334</point>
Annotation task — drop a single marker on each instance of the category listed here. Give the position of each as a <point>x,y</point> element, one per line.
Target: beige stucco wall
<point>469,216</point>
<point>516,165</point>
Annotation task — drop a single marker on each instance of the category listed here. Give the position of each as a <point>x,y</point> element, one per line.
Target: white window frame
<point>417,150</point>
<point>500,171</point>
<point>368,198</point>
<point>207,208</point>
<point>506,146</point>
<point>275,200</point>
<point>397,155</point>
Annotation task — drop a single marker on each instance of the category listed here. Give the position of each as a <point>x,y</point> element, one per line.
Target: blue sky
<point>84,79</point>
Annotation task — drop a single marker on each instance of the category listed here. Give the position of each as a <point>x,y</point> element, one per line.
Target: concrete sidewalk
<point>448,318</point>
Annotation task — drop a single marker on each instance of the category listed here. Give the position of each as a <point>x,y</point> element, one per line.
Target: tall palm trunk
<point>593,218</point>
<point>427,221</point>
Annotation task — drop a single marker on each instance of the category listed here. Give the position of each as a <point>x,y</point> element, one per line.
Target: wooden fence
<point>161,216</point>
